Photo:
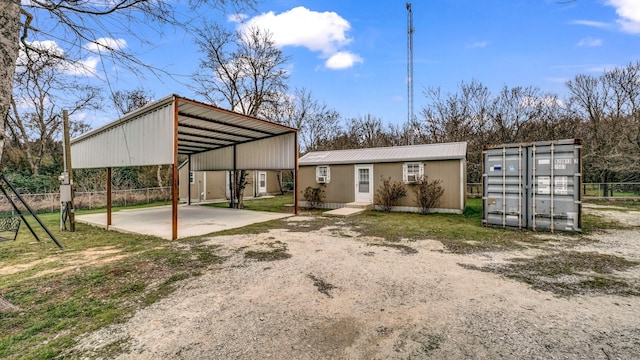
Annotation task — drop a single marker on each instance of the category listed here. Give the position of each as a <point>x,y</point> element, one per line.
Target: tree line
<point>244,71</point>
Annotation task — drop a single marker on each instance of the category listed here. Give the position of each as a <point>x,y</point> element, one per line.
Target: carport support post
<point>108,197</point>
<point>189,180</point>
<point>295,177</point>
<point>234,195</point>
<point>174,174</point>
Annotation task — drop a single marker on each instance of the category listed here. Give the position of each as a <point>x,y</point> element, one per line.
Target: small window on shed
<point>323,174</point>
<point>192,177</point>
<point>412,172</point>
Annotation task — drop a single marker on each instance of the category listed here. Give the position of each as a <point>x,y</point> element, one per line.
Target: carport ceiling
<point>200,129</point>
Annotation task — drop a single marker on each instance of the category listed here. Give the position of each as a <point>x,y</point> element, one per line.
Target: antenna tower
<point>410,31</point>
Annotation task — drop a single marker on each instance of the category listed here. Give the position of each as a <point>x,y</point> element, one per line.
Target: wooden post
<point>108,197</point>
<point>67,160</point>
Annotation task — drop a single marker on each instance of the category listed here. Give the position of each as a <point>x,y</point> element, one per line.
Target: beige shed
<point>353,176</point>
<point>216,185</point>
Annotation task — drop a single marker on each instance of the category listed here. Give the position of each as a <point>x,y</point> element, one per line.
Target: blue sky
<point>352,54</point>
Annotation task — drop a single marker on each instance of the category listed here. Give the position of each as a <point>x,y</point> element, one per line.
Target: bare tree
<point>318,124</point>
<point>74,24</point>
<point>241,70</point>
<point>35,119</point>
<point>609,105</point>
<point>127,101</point>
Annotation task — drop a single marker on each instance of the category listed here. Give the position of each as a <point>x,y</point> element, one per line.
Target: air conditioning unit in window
<point>322,179</point>
<point>412,178</point>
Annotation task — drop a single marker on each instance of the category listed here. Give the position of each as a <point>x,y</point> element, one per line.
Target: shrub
<point>428,194</point>
<point>314,197</point>
<point>389,193</point>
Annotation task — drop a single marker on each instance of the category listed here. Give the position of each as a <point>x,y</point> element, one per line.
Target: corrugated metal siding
<point>533,185</point>
<point>269,154</point>
<point>219,159</point>
<point>444,151</point>
<point>144,140</point>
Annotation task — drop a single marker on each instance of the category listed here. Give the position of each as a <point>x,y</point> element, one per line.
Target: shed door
<point>364,183</point>
<point>262,182</point>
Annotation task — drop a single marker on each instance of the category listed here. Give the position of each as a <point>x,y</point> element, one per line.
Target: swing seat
<point>9,227</point>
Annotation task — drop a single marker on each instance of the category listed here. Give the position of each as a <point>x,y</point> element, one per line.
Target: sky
<point>352,55</point>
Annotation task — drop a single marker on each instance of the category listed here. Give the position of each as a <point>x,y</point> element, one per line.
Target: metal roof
<point>425,152</point>
<point>203,127</point>
<point>144,136</point>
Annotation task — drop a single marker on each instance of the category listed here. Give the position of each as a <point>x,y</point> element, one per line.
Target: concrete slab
<point>359,205</point>
<point>344,212</point>
<point>192,220</point>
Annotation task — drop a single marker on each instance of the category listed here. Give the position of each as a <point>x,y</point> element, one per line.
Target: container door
<point>554,196</point>
<point>364,183</point>
<point>505,187</point>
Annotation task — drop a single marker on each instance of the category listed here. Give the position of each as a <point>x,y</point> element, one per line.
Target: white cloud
<point>237,18</point>
<point>342,60</point>
<point>601,68</point>
<point>85,67</point>
<point>49,46</point>
<point>590,42</point>
<point>596,24</point>
<point>629,13</point>
<point>478,44</point>
<point>324,32</point>
<point>108,44</point>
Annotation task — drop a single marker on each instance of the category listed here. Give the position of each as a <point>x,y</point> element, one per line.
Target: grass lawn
<point>272,204</point>
<point>102,277</point>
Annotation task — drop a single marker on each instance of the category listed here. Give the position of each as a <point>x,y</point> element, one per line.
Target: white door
<point>262,182</point>
<point>364,183</point>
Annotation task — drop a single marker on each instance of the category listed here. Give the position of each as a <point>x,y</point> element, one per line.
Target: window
<point>192,177</point>
<point>323,174</point>
<point>412,172</point>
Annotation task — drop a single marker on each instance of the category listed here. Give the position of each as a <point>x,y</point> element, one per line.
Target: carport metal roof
<point>212,138</point>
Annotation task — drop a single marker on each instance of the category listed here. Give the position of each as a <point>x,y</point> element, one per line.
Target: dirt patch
<point>69,260</point>
<point>617,213</point>
<point>380,303</point>
<point>7,307</point>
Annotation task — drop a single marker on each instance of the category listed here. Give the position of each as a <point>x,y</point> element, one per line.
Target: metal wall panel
<point>269,154</point>
<point>219,159</point>
<point>275,153</point>
<point>533,185</point>
<point>143,140</point>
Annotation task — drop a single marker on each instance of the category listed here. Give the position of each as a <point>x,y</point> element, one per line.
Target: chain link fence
<point>91,200</point>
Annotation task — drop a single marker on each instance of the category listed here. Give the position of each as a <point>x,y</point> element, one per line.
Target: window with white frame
<point>323,174</point>
<point>192,177</point>
<point>412,172</point>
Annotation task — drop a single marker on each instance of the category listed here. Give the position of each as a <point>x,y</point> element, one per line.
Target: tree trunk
<point>159,176</point>
<point>9,45</point>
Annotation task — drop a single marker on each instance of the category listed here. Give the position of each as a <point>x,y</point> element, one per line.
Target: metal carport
<point>214,139</point>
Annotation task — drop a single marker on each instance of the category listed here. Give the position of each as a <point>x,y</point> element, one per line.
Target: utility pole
<point>410,31</point>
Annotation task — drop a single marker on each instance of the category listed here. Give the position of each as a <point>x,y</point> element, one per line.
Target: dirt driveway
<point>334,295</point>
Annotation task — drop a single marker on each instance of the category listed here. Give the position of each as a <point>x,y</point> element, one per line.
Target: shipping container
<point>533,185</point>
